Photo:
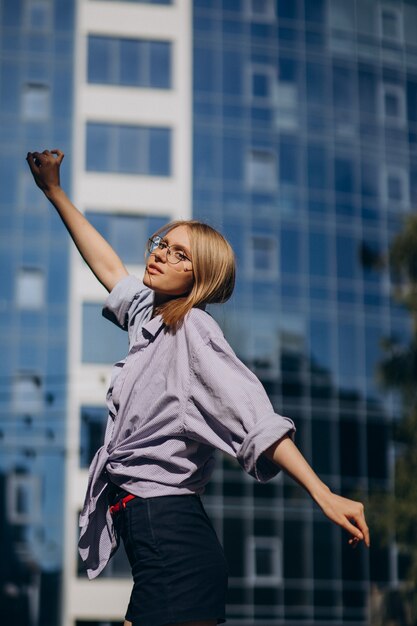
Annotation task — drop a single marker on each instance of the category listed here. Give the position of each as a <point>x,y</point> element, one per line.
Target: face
<point>162,276</point>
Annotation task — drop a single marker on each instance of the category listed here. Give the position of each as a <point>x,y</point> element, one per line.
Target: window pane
<point>93,425</point>
<point>160,64</point>
<point>131,150</point>
<point>132,71</point>
<point>159,152</point>
<point>102,341</point>
<point>30,289</point>
<point>27,394</point>
<point>261,169</point>
<point>100,147</point>
<point>133,62</point>
<point>128,149</point>
<point>127,234</point>
<point>100,60</point>
<point>36,102</point>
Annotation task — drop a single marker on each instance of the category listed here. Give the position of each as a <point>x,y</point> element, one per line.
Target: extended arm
<point>340,510</point>
<point>96,252</point>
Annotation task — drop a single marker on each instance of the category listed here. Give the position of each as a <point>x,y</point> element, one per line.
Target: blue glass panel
<point>232,5</point>
<point>11,13</point>
<point>368,88</point>
<point>102,341</point>
<point>288,70</point>
<point>288,160</point>
<point>132,148</point>
<point>260,85</point>
<point>64,16</point>
<point>127,234</point>
<point>316,83</point>
<point>232,73</point>
<point>100,146</point>
<point>10,85</point>
<point>159,152</point>
<point>348,361</point>
<point>318,254</point>
<point>160,64</point>
<point>314,11</point>
<point>93,425</point>
<point>62,93</point>
<point>287,9</point>
<point>316,167</point>
<point>343,87</point>
<point>320,343</point>
<point>100,59</point>
<point>347,253</point>
<point>9,169</point>
<point>233,154</point>
<point>132,62</point>
<point>206,162</point>
<point>290,251</point>
<point>344,176</point>
<point>204,70</point>
<point>370,177</point>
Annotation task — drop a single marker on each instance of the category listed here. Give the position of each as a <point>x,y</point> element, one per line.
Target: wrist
<point>52,192</point>
<point>320,492</point>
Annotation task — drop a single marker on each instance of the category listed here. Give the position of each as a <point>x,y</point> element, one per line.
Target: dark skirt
<point>178,565</point>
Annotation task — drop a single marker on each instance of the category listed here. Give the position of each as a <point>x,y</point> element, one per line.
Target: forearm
<point>347,513</point>
<point>95,250</point>
<point>286,454</point>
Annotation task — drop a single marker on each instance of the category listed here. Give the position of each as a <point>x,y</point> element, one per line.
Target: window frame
<point>33,485</point>
<point>20,274</point>
<point>399,36</point>
<point>268,17</point>
<point>275,544</point>
<point>251,184</point>
<point>385,90</point>
<point>267,70</point>
<point>401,172</point>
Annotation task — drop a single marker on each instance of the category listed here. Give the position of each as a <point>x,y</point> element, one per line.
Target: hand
<point>45,168</point>
<point>348,514</point>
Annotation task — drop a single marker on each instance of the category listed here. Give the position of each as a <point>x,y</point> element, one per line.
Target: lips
<point>154,269</point>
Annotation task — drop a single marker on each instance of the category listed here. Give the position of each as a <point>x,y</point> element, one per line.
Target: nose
<point>160,255</point>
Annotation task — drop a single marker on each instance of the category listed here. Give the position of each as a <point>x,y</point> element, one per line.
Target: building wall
<point>36,72</point>
<point>132,174</point>
<point>305,157</point>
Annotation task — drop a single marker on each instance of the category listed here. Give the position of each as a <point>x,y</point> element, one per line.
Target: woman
<point>180,394</point>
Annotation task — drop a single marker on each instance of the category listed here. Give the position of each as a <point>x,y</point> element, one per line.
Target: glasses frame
<point>154,243</point>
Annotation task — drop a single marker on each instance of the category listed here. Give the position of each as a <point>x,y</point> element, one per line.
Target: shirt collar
<point>153,327</point>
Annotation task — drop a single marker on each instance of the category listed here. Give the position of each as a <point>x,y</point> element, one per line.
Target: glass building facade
<point>36,69</point>
<point>305,156</point>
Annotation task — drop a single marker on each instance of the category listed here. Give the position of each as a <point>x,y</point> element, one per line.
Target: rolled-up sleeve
<point>229,409</point>
<point>128,303</point>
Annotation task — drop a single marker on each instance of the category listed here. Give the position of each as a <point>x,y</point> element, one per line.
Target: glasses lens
<point>153,244</point>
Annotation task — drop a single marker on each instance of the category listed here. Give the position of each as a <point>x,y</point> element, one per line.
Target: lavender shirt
<point>172,401</point>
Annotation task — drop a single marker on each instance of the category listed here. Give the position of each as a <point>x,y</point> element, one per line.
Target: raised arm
<point>96,252</point>
<point>346,513</point>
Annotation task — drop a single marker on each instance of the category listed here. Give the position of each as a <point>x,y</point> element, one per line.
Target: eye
<point>162,245</point>
<point>181,256</point>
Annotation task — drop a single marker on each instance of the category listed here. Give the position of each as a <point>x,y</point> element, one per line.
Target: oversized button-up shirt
<point>174,400</point>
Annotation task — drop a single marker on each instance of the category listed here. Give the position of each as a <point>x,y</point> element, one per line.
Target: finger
<point>352,529</point>
<point>60,155</point>
<point>359,520</point>
<point>31,162</point>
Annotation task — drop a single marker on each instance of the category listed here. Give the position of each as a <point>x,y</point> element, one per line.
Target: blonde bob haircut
<point>214,271</point>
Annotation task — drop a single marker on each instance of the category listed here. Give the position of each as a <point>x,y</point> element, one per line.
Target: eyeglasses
<point>174,254</point>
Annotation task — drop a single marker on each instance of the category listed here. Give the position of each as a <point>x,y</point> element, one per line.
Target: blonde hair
<point>214,271</point>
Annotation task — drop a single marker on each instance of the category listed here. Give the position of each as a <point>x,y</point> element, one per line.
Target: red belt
<point>121,504</point>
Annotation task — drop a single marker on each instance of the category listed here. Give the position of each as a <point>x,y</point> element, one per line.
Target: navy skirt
<point>178,565</point>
